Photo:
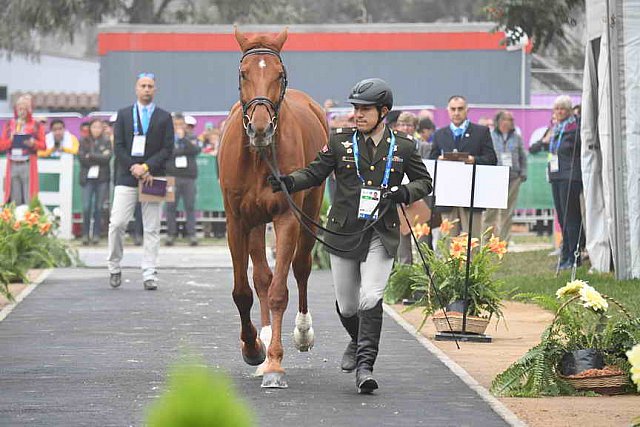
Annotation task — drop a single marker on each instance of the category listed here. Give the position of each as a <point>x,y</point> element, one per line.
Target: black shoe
<point>115,280</point>
<point>348,363</point>
<point>151,284</point>
<point>369,330</point>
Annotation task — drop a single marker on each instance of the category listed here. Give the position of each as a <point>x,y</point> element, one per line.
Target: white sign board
<point>453,184</point>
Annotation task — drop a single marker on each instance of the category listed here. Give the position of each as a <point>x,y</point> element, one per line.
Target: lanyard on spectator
<point>136,130</point>
<point>387,169</point>
<point>558,141</point>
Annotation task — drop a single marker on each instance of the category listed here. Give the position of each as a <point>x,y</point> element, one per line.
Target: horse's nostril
<point>269,131</point>
<point>251,130</point>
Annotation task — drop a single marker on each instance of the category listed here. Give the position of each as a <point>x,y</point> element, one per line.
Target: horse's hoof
<point>303,334</point>
<point>259,358</point>
<point>274,380</point>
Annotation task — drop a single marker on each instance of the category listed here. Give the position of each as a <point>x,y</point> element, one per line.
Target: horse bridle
<point>273,108</point>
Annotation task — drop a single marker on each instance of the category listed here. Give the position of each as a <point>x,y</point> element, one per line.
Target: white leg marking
<point>303,335</point>
<point>265,337</point>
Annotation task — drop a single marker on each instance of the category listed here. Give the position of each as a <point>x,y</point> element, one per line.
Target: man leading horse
<point>369,162</point>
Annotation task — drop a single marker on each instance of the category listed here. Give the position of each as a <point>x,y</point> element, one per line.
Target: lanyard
<point>150,108</point>
<point>387,169</point>
<point>506,146</point>
<point>558,141</point>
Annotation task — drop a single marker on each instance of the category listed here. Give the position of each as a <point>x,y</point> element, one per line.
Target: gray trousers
<point>360,285</point>
<point>185,190</point>
<point>124,203</point>
<point>19,182</point>
<point>502,219</point>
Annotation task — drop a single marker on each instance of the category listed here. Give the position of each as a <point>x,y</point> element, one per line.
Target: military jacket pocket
<point>336,220</point>
<point>390,221</point>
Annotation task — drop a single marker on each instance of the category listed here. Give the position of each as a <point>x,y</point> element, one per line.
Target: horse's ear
<point>240,38</point>
<point>280,39</point>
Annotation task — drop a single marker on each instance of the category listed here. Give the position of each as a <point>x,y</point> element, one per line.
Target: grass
<point>534,272</point>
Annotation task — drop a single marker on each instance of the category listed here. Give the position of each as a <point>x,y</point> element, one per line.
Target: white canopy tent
<point>611,136</point>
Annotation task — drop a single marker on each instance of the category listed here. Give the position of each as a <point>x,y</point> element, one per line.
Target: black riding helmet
<point>372,92</point>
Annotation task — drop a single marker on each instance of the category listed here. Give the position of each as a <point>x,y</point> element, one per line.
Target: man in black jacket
<point>182,165</point>
<point>143,139</point>
<point>462,136</point>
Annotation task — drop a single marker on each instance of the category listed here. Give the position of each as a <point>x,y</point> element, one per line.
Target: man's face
<point>145,90</point>
<point>179,124</point>
<point>406,127</point>
<point>425,134</point>
<point>58,131</point>
<point>506,123</point>
<point>366,117</point>
<point>457,109</point>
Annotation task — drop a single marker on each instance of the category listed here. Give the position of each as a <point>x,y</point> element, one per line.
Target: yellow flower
<point>592,299</point>
<point>571,288</point>
<point>634,359</point>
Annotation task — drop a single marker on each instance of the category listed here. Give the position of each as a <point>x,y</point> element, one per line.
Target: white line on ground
<point>25,292</point>
<point>459,371</point>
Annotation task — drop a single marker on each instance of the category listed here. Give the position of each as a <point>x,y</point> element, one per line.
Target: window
<point>3,93</point>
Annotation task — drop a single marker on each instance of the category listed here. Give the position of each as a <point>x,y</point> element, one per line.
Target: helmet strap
<point>380,115</point>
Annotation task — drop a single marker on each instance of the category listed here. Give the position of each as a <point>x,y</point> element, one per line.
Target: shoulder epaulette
<point>339,131</point>
<point>403,135</point>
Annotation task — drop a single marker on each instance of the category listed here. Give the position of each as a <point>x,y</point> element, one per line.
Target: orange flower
<point>31,218</point>
<point>44,228</point>
<point>6,215</point>
<point>458,249</point>
<point>421,230</point>
<point>16,225</point>
<point>447,226</point>
<point>497,246</point>
<point>475,242</point>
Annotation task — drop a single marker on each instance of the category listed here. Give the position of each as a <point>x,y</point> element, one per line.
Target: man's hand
<point>470,160</point>
<point>397,194</point>
<point>275,185</point>
<point>147,180</point>
<point>138,170</point>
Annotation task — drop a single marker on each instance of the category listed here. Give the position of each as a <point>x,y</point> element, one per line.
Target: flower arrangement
<point>447,266</point>
<point>27,240</point>
<point>584,326</point>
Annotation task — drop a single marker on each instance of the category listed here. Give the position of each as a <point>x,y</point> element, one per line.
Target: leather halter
<point>273,108</point>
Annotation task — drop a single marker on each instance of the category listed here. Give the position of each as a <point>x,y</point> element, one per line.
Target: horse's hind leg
<point>303,335</point>
<point>253,350</point>
<point>262,277</point>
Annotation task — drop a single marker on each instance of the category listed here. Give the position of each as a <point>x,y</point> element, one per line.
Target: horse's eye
<point>243,76</point>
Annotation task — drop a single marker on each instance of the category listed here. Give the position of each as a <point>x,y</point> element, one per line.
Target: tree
<point>544,21</point>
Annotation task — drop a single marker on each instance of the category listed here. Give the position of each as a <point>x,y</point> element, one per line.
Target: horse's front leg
<point>287,229</point>
<point>253,350</point>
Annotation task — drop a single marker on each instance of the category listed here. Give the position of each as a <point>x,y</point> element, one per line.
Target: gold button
<point>348,166</point>
<point>393,170</point>
<point>372,167</point>
<point>369,182</point>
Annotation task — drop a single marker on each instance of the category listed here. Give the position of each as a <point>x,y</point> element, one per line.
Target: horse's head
<point>262,84</point>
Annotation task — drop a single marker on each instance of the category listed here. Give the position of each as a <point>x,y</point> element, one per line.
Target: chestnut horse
<point>270,122</point>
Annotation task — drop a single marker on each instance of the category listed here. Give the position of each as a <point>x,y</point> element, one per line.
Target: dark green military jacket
<point>337,156</point>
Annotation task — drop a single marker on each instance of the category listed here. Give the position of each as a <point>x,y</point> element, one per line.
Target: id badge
<point>139,143</point>
<point>553,163</point>
<point>93,172</point>
<point>181,162</point>
<point>506,159</point>
<point>369,199</point>
<point>17,152</point>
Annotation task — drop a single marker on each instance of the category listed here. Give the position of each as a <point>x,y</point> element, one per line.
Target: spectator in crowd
<point>328,104</point>
<point>190,123</point>
<point>565,175</point>
<point>59,140</point>
<point>392,118</point>
<point>211,142</point>
<point>425,130</point>
<point>182,165</point>
<point>107,130</point>
<point>211,145</point>
<point>426,114</point>
<point>21,138</point>
<point>95,173</point>
<point>84,130</point>
<point>407,123</point>
<point>510,151</point>
<point>143,135</point>
<point>577,110</point>
<point>464,137</point>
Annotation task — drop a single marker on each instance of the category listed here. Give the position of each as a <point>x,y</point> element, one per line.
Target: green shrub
<point>199,397</point>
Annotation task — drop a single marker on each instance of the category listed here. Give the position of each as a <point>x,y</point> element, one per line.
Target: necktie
<point>457,135</point>
<point>145,119</point>
<point>371,148</point>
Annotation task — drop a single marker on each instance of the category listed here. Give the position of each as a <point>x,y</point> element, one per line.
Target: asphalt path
<point>77,353</point>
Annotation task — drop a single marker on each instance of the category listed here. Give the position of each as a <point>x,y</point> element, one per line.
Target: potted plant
<point>447,266</point>
<point>583,349</point>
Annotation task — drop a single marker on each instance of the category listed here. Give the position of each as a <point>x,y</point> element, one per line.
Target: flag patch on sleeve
<point>325,148</point>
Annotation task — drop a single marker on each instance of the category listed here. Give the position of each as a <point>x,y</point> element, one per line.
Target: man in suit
<point>143,139</point>
<point>462,136</point>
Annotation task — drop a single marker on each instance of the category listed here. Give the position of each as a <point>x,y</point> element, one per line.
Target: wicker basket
<point>475,325</point>
<point>604,384</point>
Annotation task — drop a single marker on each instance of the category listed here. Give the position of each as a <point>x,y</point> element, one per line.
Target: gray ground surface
<point>78,353</point>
